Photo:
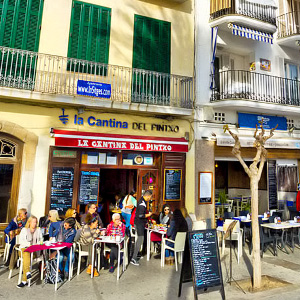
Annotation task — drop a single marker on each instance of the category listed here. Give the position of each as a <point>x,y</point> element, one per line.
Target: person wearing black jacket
<point>140,221</point>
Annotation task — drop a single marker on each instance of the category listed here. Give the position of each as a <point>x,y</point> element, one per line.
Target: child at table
<point>115,228</point>
<point>30,235</point>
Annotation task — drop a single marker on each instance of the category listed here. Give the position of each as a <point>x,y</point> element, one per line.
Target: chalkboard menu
<point>172,185</point>
<point>272,178</point>
<point>89,185</point>
<point>202,261</point>
<point>62,188</point>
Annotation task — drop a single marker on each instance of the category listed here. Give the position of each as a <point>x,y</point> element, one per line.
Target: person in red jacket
<point>115,228</point>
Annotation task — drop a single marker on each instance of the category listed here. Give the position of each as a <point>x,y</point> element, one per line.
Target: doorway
<point>115,182</point>
<point>6,176</point>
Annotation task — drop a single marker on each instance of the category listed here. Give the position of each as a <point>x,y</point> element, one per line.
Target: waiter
<point>140,221</point>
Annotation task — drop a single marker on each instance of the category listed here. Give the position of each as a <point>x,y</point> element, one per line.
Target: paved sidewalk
<point>150,281</point>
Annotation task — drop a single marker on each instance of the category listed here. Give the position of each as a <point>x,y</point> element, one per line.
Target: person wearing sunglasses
<point>13,229</point>
<point>165,215</point>
<point>72,213</point>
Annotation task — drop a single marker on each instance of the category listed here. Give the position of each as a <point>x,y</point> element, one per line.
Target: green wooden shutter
<point>89,34</point>
<point>151,51</point>
<point>20,23</point>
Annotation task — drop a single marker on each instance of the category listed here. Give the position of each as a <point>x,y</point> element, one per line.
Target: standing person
<point>115,228</point>
<point>187,218</point>
<point>91,209</point>
<point>88,233</point>
<point>165,214</point>
<point>129,202</point>
<point>139,223</point>
<point>14,228</point>
<point>30,235</point>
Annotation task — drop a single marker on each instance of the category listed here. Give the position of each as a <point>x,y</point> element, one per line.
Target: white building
<point>255,74</point>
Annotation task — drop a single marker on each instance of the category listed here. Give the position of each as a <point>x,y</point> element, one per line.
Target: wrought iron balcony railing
<point>243,85</point>
<point>22,69</point>
<point>219,8</point>
<point>288,24</point>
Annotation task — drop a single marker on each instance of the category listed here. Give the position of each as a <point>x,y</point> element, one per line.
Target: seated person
<point>115,228</point>
<point>54,223</point>
<point>187,218</point>
<point>30,235</point>
<point>88,233</point>
<point>72,213</point>
<point>165,214</point>
<point>177,224</point>
<point>14,228</point>
<point>65,234</point>
<point>91,209</point>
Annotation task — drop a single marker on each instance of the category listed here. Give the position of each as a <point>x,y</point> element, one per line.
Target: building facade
<point>97,98</point>
<point>252,77</point>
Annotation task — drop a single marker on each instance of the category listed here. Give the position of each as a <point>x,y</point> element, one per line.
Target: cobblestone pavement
<point>150,281</point>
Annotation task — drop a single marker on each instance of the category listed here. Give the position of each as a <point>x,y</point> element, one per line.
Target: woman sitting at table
<point>54,223</point>
<point>65,234</point>
<point>115,228</point>
<point>187,218</point>
<point>177,224</point>
<point>72,213</point>
<point>30,235</point>
<point>88,233</point>
<point>165,215</point>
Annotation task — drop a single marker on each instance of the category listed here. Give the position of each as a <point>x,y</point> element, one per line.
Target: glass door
<point>148,180</point>
<point>6,176</point>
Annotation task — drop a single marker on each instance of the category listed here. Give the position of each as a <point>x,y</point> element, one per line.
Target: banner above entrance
<point>65,138</point>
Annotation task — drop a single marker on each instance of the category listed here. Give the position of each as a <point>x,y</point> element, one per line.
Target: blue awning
<point>251,33</point>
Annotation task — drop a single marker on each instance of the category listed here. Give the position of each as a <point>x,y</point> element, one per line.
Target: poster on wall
<point>172,184</point>
<point>205,187</point>
<point>61,195</point>
<point>89,185</point>
<point>265,64</point>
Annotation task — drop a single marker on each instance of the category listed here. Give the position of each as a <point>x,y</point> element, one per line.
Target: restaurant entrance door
<point>148,180</point>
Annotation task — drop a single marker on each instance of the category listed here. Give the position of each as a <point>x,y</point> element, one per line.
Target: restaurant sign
<point>248,142</point>
<point>79,139</point>
<point>268,122</point>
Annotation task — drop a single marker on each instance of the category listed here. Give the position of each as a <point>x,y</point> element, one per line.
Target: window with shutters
<point>89,38</point>
<point>151,51</point>
<point>20,26</point>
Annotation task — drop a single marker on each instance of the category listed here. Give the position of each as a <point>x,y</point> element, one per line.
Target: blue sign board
<point>269,122</point>
<point>93,89</point>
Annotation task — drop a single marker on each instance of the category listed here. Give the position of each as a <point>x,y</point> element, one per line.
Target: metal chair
<point>81,253</point>
<point>6,248</point>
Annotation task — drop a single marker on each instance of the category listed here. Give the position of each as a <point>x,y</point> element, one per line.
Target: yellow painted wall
<point>56,25</point>
<point>39,120</point>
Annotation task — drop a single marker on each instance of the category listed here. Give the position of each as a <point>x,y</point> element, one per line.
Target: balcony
<point>56,75</point>
<point>251,14</point>
<point>289,29</point>
<point>246,85</point>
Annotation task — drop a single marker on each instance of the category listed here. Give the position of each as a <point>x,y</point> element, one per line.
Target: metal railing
<point>52,74</point>
<point>235,84</point>
<point>288,24</point>
<point>257,11</point>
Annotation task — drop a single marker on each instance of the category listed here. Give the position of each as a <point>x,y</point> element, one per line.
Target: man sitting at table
<point>30,235</point>
<point>91,209</point>
<point>115,228</point>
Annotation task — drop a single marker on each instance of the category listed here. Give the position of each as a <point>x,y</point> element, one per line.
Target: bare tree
<point>254,172</point>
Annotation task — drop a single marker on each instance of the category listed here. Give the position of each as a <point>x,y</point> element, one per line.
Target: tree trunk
<point>255,233</point>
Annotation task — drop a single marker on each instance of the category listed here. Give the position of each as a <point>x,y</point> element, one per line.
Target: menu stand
<point>229,233</point>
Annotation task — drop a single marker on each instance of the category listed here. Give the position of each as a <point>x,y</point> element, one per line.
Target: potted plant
<point>222,199</point>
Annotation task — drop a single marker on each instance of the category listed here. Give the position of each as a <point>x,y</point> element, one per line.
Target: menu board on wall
<point>62,188</point>
<point>201,263</point>
<point>272,182</point>
<point>205,187</point>
<point>89,185</point>
<point>172,184</point>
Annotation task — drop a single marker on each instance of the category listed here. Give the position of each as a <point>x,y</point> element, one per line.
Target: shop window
<point>130,159</point>
<point>7,149</point>
<point>99,158</point>
<point>89,38</point>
